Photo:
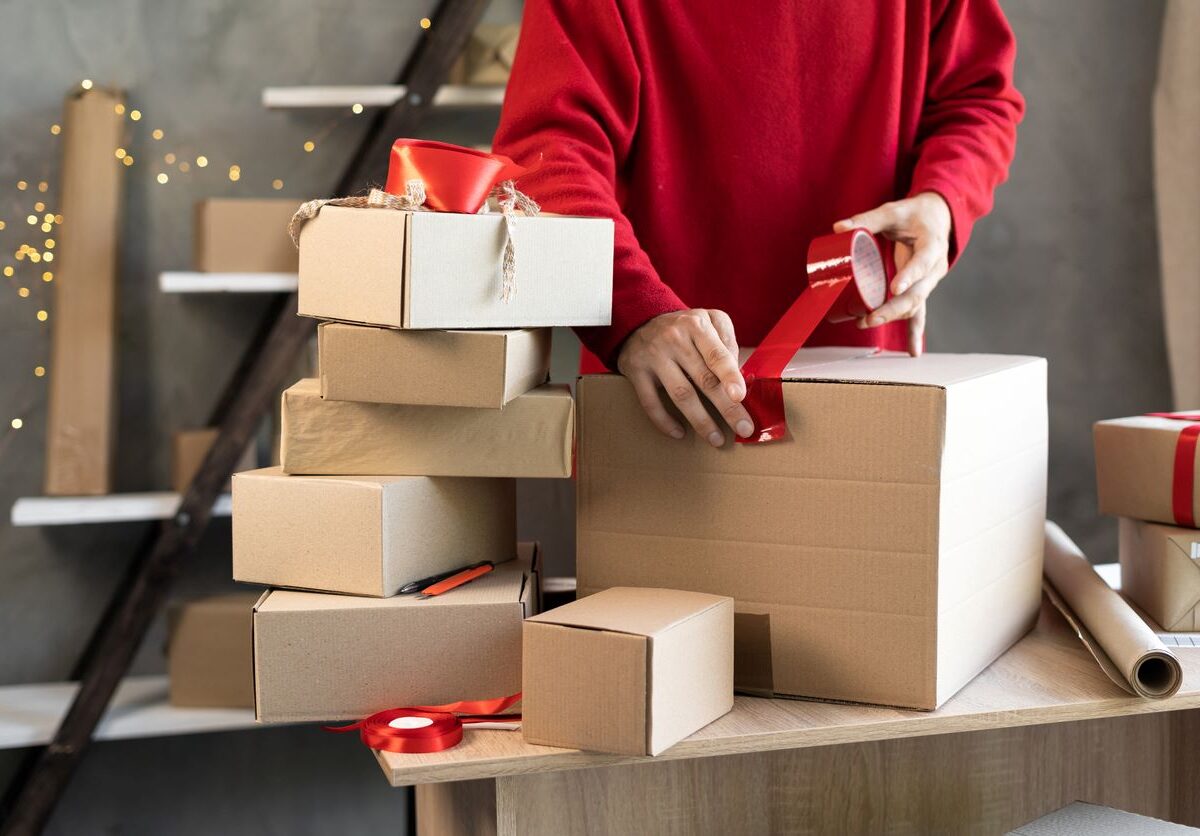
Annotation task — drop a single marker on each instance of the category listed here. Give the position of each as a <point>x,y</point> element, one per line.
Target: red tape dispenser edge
<point>847,279</point>
<point>428,728</point>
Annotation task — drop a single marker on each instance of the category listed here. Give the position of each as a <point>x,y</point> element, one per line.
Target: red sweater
<point>723,137</point>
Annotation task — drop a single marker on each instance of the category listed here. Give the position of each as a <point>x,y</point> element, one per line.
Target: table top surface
<point>1047,677</point>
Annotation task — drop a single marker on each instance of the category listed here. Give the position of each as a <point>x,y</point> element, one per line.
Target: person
<point>722,137</point>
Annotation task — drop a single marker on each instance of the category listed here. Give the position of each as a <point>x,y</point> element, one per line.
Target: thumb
<point>879,219</point>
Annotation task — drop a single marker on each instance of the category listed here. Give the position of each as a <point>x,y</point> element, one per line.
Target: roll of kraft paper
<point>1127,650</point>
<point>847,279</point>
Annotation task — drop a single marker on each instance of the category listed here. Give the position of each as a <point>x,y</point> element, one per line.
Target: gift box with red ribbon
<point>1146,467</point>
<point>451,242</point>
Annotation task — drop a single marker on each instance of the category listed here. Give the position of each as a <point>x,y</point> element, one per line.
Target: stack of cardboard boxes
<point>398,462</point>
<point>1146,472</point>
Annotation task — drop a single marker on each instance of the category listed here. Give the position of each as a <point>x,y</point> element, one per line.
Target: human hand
<point>688,353</point>
<point>920,226</point>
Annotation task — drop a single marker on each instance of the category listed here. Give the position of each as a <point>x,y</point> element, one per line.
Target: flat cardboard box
<point>209,651</point>
<point>1160,572</point>
<point>531,437</point>
<point>442,270</point>
<point>245,235</point>
<point>366,535</point>
<point>81,414</point>
<point>188,449</point>
<point>627,671</point>
<point>886,553</point>
<point>1135,465</point>
<point>338,657</point>
<point>431,368</point>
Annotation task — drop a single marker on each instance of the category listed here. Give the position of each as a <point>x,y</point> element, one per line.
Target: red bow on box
<point>847,279</point>
<point>428,728</point>
<point>1183,488</point>
<point>455,179</point>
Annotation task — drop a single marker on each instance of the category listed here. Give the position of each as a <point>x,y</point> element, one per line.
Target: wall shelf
<point>112,508</point>
<point>29,714</point>
<point>377,95</point>
<point>180,281</point>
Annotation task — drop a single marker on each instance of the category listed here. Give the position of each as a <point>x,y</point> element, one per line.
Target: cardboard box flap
<point>366,481</point>
<point>504,585</point>
<point>635,611</point>
<point>938,370</point>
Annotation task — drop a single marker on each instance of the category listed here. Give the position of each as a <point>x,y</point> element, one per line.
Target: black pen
<point>417,586</point>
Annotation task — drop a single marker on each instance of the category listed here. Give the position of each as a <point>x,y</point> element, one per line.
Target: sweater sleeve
<point>573,100</point>
<point>968,125</point>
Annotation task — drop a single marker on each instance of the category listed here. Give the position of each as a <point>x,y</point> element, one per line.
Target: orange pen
<point>455,581</point>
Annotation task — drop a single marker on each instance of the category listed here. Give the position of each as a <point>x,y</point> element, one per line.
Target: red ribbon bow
<point>1183,488</point>
<point>456,179</point>
<point>428,728</point>
<point>847,279</point>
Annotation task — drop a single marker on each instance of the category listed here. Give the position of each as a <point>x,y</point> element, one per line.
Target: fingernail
<point>736,393</point>
<point>744,428</point>
<point>677,433</point>
<point>872,321</point>
<point>716,439</point>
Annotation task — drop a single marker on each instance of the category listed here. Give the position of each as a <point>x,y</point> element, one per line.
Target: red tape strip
<point>427,728</point>
<point>846,280</point>
<point>1183,478</point>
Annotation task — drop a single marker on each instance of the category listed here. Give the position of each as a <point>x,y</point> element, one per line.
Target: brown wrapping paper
<point>1127,650</point>
<point>1160,572</point>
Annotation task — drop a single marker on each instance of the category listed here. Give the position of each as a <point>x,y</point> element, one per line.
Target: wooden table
<point>1038,729</point>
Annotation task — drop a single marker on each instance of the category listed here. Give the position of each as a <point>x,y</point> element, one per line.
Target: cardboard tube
<point>1128,651</point>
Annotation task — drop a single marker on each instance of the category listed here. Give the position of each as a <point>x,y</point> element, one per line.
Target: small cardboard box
<point>442,270</point>
<point>886,552</point>
<point>531,437</point>
<point>431,368</point>
<point>243,235</point>
<point>366,535</point>
<point>1135,466</point>
<point>1160,572</point>
<point>208,651</point>
<point>627,671</point>
<point>188,449</point>
<point>337,657</point>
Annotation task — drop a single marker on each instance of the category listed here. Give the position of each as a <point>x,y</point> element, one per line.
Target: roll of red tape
<point>847,279</point>
<point>427,728</point>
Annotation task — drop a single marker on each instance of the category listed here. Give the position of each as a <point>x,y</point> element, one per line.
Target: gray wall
<point>1066,268</point>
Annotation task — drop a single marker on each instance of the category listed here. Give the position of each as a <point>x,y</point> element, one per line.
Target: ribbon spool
<point>1183,478</point>
<point>427,728</point>
<point>456,179</point>
<point>847,280</point>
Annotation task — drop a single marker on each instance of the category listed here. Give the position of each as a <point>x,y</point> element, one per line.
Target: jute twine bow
<point>509,198</point>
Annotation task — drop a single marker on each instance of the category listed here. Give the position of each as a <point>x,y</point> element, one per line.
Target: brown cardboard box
<point>885,553</point>
<point>530,437</point>
<point>244,235</point>
<point>442,270</point>
<point>432,368</point>
<point>488,57</point>
<point>81,415</point>
<point>627,671</point>
<point>1160,572</point>
<point>208,651</point>
<point>1135,464</point>
<point>337,657</point>
<point>188,449</point>
<point>366,535</point>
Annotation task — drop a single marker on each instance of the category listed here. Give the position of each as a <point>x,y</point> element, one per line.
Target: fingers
<point>646,388</point>
<point>927,261</point>
<point>880,219</point>
<point>699,367</point>
<point>719,359</point>
<point>899,307</point>
<point>724,326</point>
<point>916,332</point>
<point>685,396</point>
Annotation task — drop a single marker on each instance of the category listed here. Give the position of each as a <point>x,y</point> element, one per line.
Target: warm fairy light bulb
<point>309,145</point>
<point>356,108</point>
<point>56,129</point>
<point>3,224</point>
<point>184,167</point>
<point>47,276</point>
<point>49,243</point>
<point>119,109</point>
<point>135,115</point>
<point>235,173</point>
<point>39,207</point>
<point>35,256</point>
<point>32,219</point>
<point>86,84</point>
<point>23,292</point>
<point>157,133</point>
<point>277,184</point>
<point>426,23</point>
<point>8,271</point>
<point>46,227</point>
<point>47,256</point>
<point>169,158</point>
<point>47,217</point>
<point>162,177</point>
<point>201,161</point>
<point>43,186</point>
<point>119,153</point>
<point>128,159</point>
<point>17,423</point>
<point>22,185</point>
<point>39,371</point>
<point>58,219</point>
<point>42,316</point>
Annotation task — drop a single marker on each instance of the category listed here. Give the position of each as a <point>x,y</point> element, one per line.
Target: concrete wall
<point>1066,267</point>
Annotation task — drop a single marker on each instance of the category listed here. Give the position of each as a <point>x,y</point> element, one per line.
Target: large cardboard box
<point>442,270</point>
<point>209,651</point>
<point>531,437</point>
<point>245,235</point>
<point>366,535</point>
<point>431,368</point>
<point>188,449</point>
<point>338,657</point>
<point>1160,572</point>
<point>627,671</point>
<point>1135,466</point>
<point>885,553</point>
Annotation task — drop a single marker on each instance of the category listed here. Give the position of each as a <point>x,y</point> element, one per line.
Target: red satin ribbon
<point>456,179</point>
<point>444,731</point>
<point>846,280</point>
<point>1183,488</point>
